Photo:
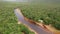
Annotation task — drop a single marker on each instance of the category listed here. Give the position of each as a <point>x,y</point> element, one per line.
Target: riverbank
<point>19,22</point>
<point>46,27</point>
<point>36,23</point>
<point>37,28</point>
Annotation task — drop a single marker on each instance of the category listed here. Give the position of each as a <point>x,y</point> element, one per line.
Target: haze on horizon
<point>15,0</point>
<point>38,1</point>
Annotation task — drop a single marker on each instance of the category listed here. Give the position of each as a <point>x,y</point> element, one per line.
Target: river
<point>36,28</point>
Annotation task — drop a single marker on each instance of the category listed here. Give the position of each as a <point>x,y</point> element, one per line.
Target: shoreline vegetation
<point>50,14</point>
<point>46,27</point>
<point>8,21</point>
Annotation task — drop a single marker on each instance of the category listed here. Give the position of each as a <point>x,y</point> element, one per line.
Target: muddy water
<point>36,28</point>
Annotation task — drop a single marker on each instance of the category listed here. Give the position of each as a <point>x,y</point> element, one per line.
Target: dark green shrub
<point>57,26</point>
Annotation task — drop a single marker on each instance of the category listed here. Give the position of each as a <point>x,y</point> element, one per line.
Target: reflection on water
<point>18,14</point>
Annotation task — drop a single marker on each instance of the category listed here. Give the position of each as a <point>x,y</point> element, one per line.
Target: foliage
<point>50,14</point>
<point>8,21</point>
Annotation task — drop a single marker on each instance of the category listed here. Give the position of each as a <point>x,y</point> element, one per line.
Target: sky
<point>9,0</point>
<point>17,0</point>
<point>49,1</point>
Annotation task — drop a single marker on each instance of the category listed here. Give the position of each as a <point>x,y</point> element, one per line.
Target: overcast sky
<point>17,0</point>
<point>9,0</point>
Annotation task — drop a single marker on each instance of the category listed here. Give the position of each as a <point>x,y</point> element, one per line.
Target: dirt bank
<point>20,19</point>
<point>46,27</point>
